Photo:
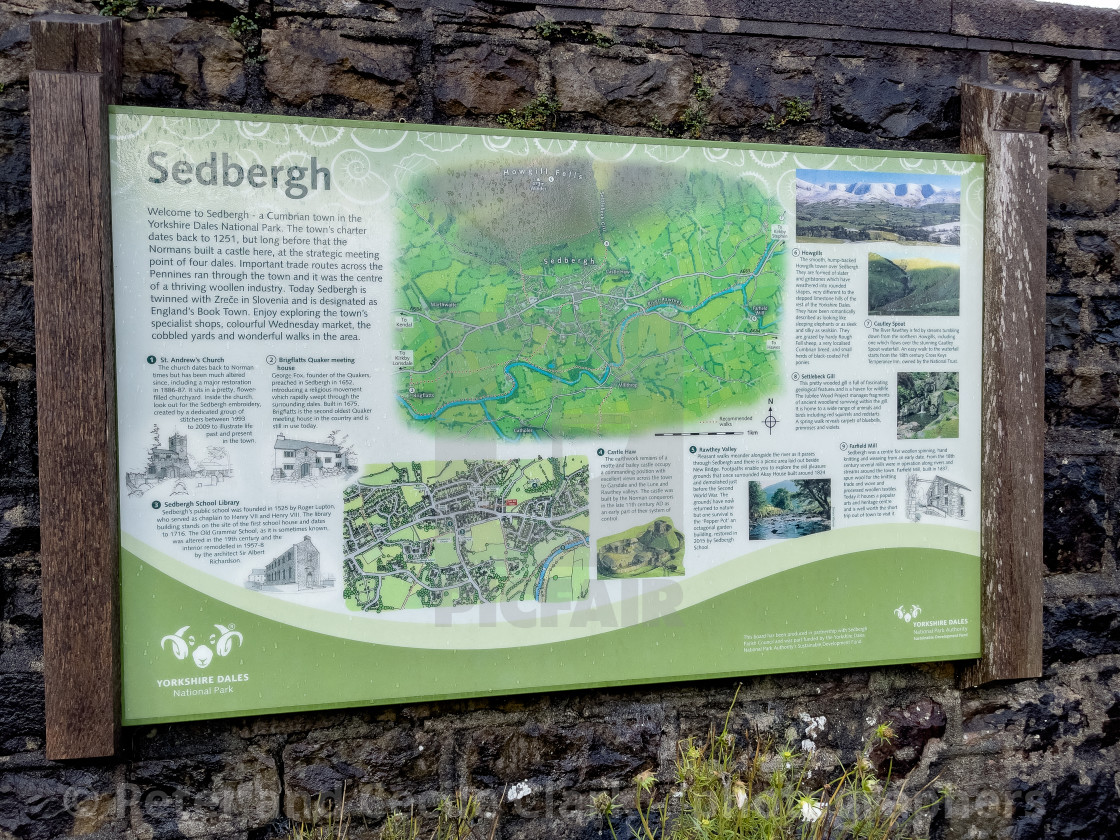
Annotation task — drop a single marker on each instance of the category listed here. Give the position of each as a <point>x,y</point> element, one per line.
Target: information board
<point>414,412</point>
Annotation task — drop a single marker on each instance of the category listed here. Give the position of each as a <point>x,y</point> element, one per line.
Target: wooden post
<point>1003,123</point>
<point>76,74</point>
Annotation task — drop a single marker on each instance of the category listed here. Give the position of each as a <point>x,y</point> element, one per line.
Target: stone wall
<point>1030,759</point>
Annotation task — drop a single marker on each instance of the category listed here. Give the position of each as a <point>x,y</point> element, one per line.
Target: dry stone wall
<point>1028,759</point>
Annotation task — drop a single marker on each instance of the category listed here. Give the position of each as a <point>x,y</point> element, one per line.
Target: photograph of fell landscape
<point>898,284</point>
<point>839,207</point>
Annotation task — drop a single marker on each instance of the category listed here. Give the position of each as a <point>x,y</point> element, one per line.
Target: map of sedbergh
<point>572,297</point>
<point>455,533</point>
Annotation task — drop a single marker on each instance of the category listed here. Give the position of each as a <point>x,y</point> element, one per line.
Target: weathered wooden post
<point>1003,123</point>
<point>76,75</point>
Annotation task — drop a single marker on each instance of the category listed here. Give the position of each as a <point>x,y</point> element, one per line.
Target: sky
<point>843,176</point>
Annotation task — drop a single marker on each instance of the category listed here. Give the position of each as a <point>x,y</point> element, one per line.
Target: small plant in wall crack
<point>246,30</point>
<point>242,26</point>
<point>117,8</point>
<point>539,115</point>
<point>551,31</point>
<point>129,9</point>
<point>793,111</point>
<point>547,29</point>
<point>694,120</point>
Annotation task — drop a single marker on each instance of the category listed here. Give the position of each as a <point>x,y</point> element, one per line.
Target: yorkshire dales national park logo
<point>910,614</point>
<point>200,650</point>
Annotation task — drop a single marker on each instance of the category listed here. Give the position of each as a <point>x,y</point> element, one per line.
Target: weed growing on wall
<point>456,819</point>
<point>721,792</point>
<point>718,790</point>
<point>128,9</point>
<point>538,115</point>
<point>694,120</point>
<point>117,8</point>
<point>552,31</point>
<point>547,29</point>
<point>793,111</point>
<point>333,828</point>
<point>242,26</point>
<point>247,31</point>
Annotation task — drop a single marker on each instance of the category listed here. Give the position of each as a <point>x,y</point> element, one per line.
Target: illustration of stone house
<point>946,496</point>
<point>294,460</point>
<point>298,567</point>
<point>257,578</point>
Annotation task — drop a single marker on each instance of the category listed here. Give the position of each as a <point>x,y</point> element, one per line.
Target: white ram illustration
<point>225,641</point>
<point>183,645</point>
<point>908,615</point>
<point>180,646</point>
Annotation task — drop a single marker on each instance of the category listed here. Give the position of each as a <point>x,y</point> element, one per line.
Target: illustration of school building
<point>298,567</point>
<point>294,460</point>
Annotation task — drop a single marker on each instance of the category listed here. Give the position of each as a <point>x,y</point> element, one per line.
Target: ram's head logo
<point>908,615</point>
<point>202,652</point>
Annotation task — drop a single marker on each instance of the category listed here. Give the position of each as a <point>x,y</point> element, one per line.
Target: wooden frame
<point>77,74</point>
<point>1003,123</point>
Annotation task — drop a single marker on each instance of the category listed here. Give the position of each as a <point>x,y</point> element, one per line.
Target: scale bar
<point>692,434</point>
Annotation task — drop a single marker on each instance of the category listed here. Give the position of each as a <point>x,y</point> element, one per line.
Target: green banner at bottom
<point>188,655</point>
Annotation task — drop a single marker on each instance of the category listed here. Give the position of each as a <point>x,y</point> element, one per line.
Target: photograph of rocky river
<point>791,508</point>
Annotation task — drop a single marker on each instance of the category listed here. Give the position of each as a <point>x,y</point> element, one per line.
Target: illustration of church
<point>171,462</point>
<point>296,460</point>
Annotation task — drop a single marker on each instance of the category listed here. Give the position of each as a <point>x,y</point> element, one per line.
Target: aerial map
<point>572,297</point>
<point>456,533</point>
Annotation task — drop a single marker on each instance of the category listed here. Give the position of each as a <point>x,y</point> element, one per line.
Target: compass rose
<point>770,421</point>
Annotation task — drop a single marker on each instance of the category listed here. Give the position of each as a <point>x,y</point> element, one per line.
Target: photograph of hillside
<point>929,405</point>
<point>912,286</point>
<point>652,550</point>
<point>838,207</point>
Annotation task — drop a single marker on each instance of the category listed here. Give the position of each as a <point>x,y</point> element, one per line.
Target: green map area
<point>577,298</point>
<point>456,533</point>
